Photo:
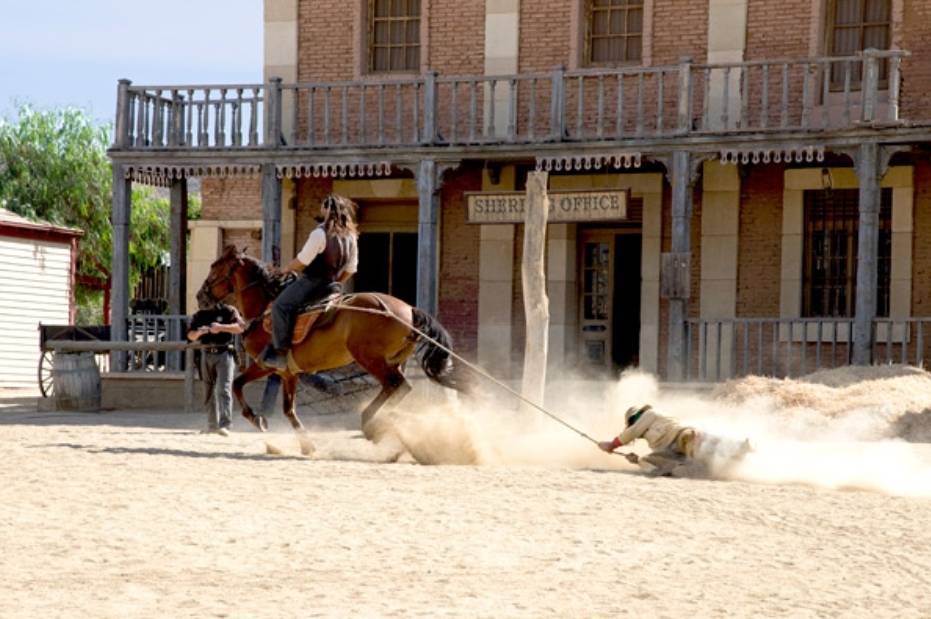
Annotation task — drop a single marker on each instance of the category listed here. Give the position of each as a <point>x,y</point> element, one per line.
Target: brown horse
<point>380,343</point>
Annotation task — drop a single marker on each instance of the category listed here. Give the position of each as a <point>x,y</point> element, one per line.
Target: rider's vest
<point>329,264</point>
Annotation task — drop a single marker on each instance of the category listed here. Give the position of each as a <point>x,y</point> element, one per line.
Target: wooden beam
<point>119,270</point>
<point>271,215</point>
<point>177,273</point>
<point>868,176</point>
<point>428,216</point>
<point>681,173</point>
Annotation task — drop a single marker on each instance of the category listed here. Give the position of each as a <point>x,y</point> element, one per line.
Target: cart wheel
<point>46,382</point>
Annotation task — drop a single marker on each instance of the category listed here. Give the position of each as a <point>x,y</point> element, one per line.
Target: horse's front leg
<point>289,397</point>
<point>253,373</point>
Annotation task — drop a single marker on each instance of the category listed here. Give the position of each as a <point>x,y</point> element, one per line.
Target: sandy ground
<point>136,514</point>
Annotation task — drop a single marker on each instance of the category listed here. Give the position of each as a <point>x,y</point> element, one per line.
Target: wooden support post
<point>177,274</point>
<point>533,280</point>
<point>557,104</point>
<point>868,173</point>
<point>870,85</point>
<point>429,108</point>
<point>119,269</point>
<point>189,404</point>
<point>684,108</point>
<point>428,189</point>
<point>273,111</point>
<point>121,130</point>
<point>271,215</point>
<point>678,304</point>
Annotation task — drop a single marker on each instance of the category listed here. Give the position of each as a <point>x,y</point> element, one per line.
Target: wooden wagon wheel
<point>46,382</point>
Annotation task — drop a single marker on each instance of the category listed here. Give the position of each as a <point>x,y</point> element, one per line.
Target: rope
<point>472,367</point>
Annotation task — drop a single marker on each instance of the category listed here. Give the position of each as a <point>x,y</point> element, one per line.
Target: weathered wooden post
<point>119,269</point>
<point>428,187</point>
<point>675,266</point>
<point>533,280</point>
<point>895,84</point>
<point>121,129</point>
<point>870,84</point>
<point>684,110</point>
<point>273,113</point>
<point>429,108</point>
<point>867,252</point>
<point>557,103</point>
<point>177,273</point>
<point>189,393</point>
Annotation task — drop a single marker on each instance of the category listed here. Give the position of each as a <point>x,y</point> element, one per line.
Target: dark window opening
<point>830,253</point>
<point>388,263</point>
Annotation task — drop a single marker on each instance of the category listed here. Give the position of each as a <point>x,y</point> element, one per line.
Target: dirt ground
<point>136,514</point>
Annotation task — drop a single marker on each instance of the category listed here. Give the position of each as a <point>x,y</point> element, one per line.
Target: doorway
<point>609,316</point>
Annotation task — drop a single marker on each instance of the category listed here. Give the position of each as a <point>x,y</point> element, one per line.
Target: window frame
<point>369,45</point>
<point>856,77</point>
<point>587,19</point>
<point>851,226</point>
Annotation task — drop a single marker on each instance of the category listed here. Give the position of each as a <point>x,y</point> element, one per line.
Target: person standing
<point>329,258</point>
<point>214,328</point>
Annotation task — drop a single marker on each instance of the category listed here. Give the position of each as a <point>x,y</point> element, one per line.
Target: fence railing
<point>683,99</point>
<point>722,349</point>
<point>155,328</point>
<point>906,341</point>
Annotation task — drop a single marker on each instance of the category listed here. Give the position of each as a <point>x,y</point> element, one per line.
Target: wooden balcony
<point>683,105</point>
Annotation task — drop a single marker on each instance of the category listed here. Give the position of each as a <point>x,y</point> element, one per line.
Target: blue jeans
<point>301,292</point>
<point>218,376</point>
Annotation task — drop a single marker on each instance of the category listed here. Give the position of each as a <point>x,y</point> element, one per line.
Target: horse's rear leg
<point>254,372</point>
<point>394,387</point>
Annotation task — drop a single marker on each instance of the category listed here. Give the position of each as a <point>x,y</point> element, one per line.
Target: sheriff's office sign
<point>565,206</point>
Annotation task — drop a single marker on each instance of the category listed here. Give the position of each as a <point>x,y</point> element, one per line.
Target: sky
<point>56,53</point>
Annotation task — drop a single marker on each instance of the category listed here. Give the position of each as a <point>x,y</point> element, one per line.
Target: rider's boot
<point>276,358</point>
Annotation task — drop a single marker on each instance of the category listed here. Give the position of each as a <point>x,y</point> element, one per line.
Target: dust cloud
<point>851,428</point>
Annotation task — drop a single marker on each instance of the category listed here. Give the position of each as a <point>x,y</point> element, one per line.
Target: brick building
<point>771,160</point>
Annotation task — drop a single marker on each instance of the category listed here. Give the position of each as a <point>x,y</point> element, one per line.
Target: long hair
<point>339,215</point>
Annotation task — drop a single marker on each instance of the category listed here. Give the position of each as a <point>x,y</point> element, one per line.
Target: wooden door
<point>597,278</point>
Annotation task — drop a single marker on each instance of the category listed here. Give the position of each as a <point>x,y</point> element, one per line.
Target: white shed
<point>37,273</point>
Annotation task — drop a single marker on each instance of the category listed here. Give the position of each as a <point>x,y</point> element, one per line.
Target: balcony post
<point>557,104</point>
<point>870,84</point>
<point>429,108</point>
<point>271,214</point>
<point>895,85</point>
<point>273,113</point>
<point>685,95</point>
<point>121,137</point>
<point>119,269</point>
<point>868,173</point>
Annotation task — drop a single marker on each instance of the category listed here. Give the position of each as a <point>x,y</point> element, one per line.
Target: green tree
<point>54,167</point>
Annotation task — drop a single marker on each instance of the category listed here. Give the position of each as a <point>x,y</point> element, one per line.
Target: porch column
<point>428,193</point>
<point>177,273</point>
<point>867,251</point>
<point>676,265</point>
<point>119,268</point>
<point>271,215</point>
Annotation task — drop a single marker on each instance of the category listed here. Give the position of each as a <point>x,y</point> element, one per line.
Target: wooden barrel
<point>77,381</point>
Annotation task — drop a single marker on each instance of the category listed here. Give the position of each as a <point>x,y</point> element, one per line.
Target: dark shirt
<point>222,314</point>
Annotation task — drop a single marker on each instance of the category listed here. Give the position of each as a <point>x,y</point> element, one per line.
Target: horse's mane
<point>271,281</point>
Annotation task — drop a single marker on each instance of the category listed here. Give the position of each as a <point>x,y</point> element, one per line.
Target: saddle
<point>306,318</point>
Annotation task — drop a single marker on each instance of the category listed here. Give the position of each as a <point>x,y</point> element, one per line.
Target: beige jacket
<point>660,432</point>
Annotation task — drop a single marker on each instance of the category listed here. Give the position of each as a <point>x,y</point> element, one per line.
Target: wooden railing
<point>627,103</point>
<point>719,349</point>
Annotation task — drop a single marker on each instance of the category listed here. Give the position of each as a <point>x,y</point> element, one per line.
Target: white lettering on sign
<point>565,206</point>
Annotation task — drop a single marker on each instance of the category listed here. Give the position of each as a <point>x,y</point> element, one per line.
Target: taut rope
<point>469,365</point>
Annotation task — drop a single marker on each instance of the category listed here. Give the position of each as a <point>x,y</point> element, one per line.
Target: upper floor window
<point>394,36</point>
<point>614,32</point>
<point>856,25</point>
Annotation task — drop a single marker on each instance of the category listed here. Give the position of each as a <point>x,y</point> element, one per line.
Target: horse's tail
<point>434,353</point>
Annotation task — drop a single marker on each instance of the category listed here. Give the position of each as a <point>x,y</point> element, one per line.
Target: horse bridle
<point>210,283</point>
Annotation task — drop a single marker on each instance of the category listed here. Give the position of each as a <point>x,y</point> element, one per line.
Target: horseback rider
<point>329,258</point>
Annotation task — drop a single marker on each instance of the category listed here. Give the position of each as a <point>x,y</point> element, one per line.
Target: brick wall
<point>759,250</point>
<point>232,198</point>
<point>459,261</point>
<point>778,29</point>
<point>250,240</point>
<point>916,70</point>
<point>310,194</point>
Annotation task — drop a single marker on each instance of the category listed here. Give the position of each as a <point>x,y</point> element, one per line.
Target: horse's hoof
<point>261,423</point>
<point>307,446</point>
